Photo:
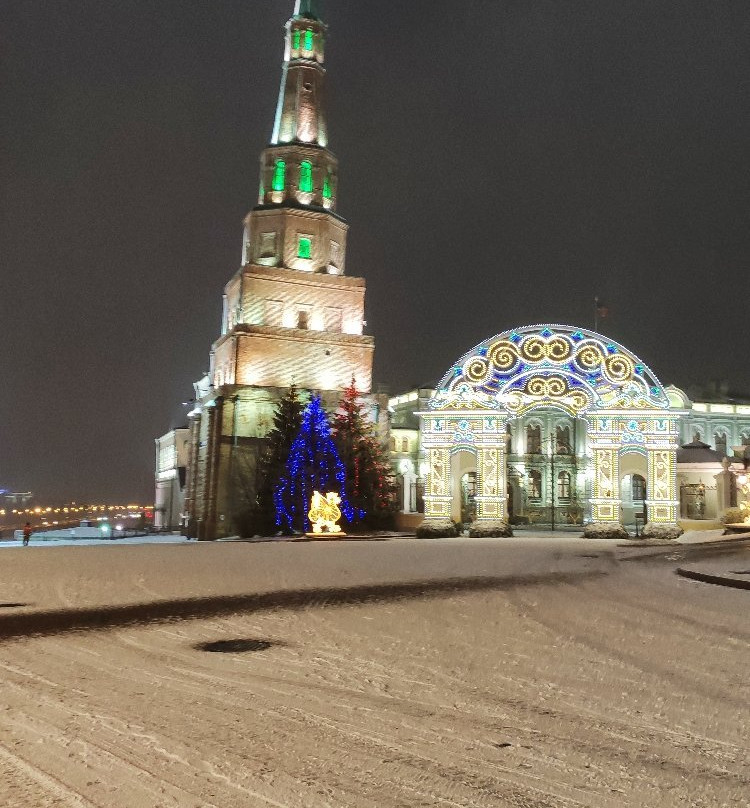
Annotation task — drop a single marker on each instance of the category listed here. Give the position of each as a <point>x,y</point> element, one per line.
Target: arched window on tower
<point>309,40</point>
<point>720,441</point>
<point>306,177</point>
<point>533,439</point>
<point>563,485</point>
<point>278,183</point>
<point>327,187</point>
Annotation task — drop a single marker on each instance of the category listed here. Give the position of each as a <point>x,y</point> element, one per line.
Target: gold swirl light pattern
<point>539,389</point>
<point>619,368</point>
<point>477,370</point>
<point>503,355</point>
<point>552,386</point>
<point>589,356</point>
<point>533,349</point>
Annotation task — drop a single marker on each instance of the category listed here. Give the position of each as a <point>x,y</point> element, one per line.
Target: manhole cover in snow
<point>233,646</point>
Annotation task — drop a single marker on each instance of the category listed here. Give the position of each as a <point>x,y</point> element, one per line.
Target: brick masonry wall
<point>280,357</point>
<point>293,289</point>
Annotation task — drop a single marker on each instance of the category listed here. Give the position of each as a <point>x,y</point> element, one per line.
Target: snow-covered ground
<point>445,673</point>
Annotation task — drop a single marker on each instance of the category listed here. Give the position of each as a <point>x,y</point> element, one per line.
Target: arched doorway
<point>468,497</point>
<point>525,373</point>
<point>633,497</point>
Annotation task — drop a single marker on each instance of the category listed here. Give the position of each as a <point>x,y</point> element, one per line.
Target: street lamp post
<point>552,483</point>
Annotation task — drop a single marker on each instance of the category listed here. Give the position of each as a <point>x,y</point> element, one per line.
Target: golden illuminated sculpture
<point>324,514</point>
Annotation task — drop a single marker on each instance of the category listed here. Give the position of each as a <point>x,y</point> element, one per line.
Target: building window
<point>306,177</point>
<point>304,247</point>
<point>327,189</point>
<point>308,40</point>
<point>273,314</point>
<point>563,485</point>
<point>638,488</point>
<point>336,255</point>
<point>720,439</point>
<point>562,440</point>
<point>303,318</point>
<point>405,444</point>
<point>535,484</point>
<point>533,439</point>
<point>393,444</point>
<point>279,176</point>
<point>334,319</point>
<point>268,245</point>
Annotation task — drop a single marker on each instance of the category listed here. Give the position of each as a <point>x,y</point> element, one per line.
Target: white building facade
<point>172,452</point>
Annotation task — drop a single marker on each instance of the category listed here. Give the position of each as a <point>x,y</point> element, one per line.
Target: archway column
<point>438,495</point>
<point>605,502</point>
<point>604,440</point>
<point>663,502</point>
<point>491,498</point>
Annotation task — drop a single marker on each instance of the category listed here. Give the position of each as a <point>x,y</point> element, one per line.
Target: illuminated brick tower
<point>291,314</point>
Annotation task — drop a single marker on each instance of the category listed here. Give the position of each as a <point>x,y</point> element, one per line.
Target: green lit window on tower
<point>308,40</point>
<point>305,177</point>
<point>304,248</point>
<point>327,190</point>
<point>295,39</point>
<point>279,176</point>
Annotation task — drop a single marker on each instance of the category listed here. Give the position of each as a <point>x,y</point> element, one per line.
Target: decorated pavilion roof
<point>550,365</point>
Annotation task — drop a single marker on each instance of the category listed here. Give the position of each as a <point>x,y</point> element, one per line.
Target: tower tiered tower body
<point>291,315</point>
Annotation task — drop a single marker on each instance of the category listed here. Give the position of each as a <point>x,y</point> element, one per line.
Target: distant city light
<point>74,511</point>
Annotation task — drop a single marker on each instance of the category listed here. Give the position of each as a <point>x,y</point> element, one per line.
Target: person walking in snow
<point>26,534</point>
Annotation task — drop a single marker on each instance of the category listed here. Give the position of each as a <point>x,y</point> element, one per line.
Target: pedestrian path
<point>168,538</point>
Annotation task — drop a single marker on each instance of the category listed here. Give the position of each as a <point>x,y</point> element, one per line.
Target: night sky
<point>502,162</point>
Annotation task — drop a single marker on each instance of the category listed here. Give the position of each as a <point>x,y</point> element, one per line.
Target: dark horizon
<point>501,165</point>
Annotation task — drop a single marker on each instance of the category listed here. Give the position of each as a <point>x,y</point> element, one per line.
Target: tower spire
<point>309,9</point>
<point>298,172</point>
<point>300,116</point>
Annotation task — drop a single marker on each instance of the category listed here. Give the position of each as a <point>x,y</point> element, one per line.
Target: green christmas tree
<point>370,483</point>
<point>287,421</point>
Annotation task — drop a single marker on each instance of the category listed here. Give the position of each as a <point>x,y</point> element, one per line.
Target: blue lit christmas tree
<point>313,465</point>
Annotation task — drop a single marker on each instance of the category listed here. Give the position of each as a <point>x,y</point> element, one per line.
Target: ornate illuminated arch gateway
<point>552,367</point>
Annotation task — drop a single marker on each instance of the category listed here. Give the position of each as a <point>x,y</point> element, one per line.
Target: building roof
<point>698,452</point>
